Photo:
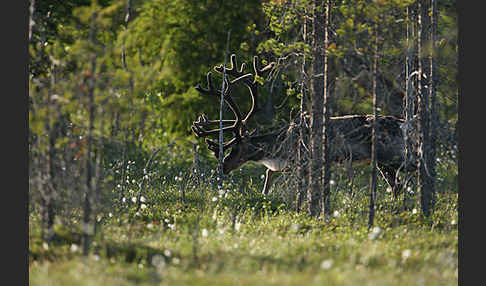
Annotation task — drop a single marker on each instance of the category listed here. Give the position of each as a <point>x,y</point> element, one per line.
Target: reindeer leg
<point>266,187</point>
<point>389,175</point>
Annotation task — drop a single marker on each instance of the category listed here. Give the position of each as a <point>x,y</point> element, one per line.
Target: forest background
<point>112,98</point>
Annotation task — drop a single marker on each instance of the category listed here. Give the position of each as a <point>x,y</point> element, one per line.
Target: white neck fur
<point>273,164</point>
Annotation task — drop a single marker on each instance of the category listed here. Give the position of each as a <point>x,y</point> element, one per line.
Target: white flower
<point>134,199</point>
<point>204,232</point>
<point>142,199</point>
<point>406,254</point>
<point>124,199</point>
<point>332,182</point>
<point>327,264</point>
<point>336,214</point>
<point>237,226</point>
<point>375,232</point>
<point>110,214</point>
<point>143,206</point>
<point>414,211</point>
<point>453,222</point>
<point>150,226</point>
<point>167,253</point>
<point>214,199</point>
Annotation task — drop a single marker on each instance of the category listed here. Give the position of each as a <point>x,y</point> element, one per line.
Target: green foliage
<point>169,46</point>
<point>180,41</point>
<point>159,216</point>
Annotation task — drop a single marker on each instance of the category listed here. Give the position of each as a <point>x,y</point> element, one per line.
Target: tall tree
<point>326,170</point>
<point>410,99</point>
<point>301,168</point>
<point>426,181</point>
<point>88,197</point>
<point>316,97</point>
<point>373,132</point>
<point>433,100</point>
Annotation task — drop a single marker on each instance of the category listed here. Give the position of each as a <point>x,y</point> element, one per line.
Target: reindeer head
<point>243,145</point>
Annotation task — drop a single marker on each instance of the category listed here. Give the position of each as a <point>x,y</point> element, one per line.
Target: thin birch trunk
<point>373,135</point>
<point>326,171</point>
<point>433,101</point>
<point>221,105</point>
<point>409,67</point>
<point>301,185</point>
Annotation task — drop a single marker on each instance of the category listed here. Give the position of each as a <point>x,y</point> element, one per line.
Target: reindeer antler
<point>238,125</point>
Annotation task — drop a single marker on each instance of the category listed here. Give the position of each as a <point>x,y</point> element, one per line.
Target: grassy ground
<point>210,239</point>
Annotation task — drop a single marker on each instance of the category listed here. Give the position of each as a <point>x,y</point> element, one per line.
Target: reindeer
<point>350,136</point>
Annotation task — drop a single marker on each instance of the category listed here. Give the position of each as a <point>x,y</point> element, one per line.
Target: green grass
<point>252,240</point>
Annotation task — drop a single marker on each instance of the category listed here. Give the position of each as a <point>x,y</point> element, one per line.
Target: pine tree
<point>317,97</point>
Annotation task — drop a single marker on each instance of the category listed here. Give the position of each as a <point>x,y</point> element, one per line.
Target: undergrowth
<point>235,237</point>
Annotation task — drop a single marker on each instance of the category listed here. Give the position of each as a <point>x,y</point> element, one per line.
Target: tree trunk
<point>128,17</point>
<point>301,168</point>
<point>88,198</point>
<point>433,101</point>
<point>317,96</point>
<point>409,100</point>
<point>99,173</point>
<point>51,184</point>
<point>425,179</point>
<point>221,105</point>
<point>326,171</point>
<point>373,134</point>
<point>31,18</point>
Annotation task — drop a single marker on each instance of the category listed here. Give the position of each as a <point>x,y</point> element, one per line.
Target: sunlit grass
<point>206,242</point>
<point>187,232</point>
